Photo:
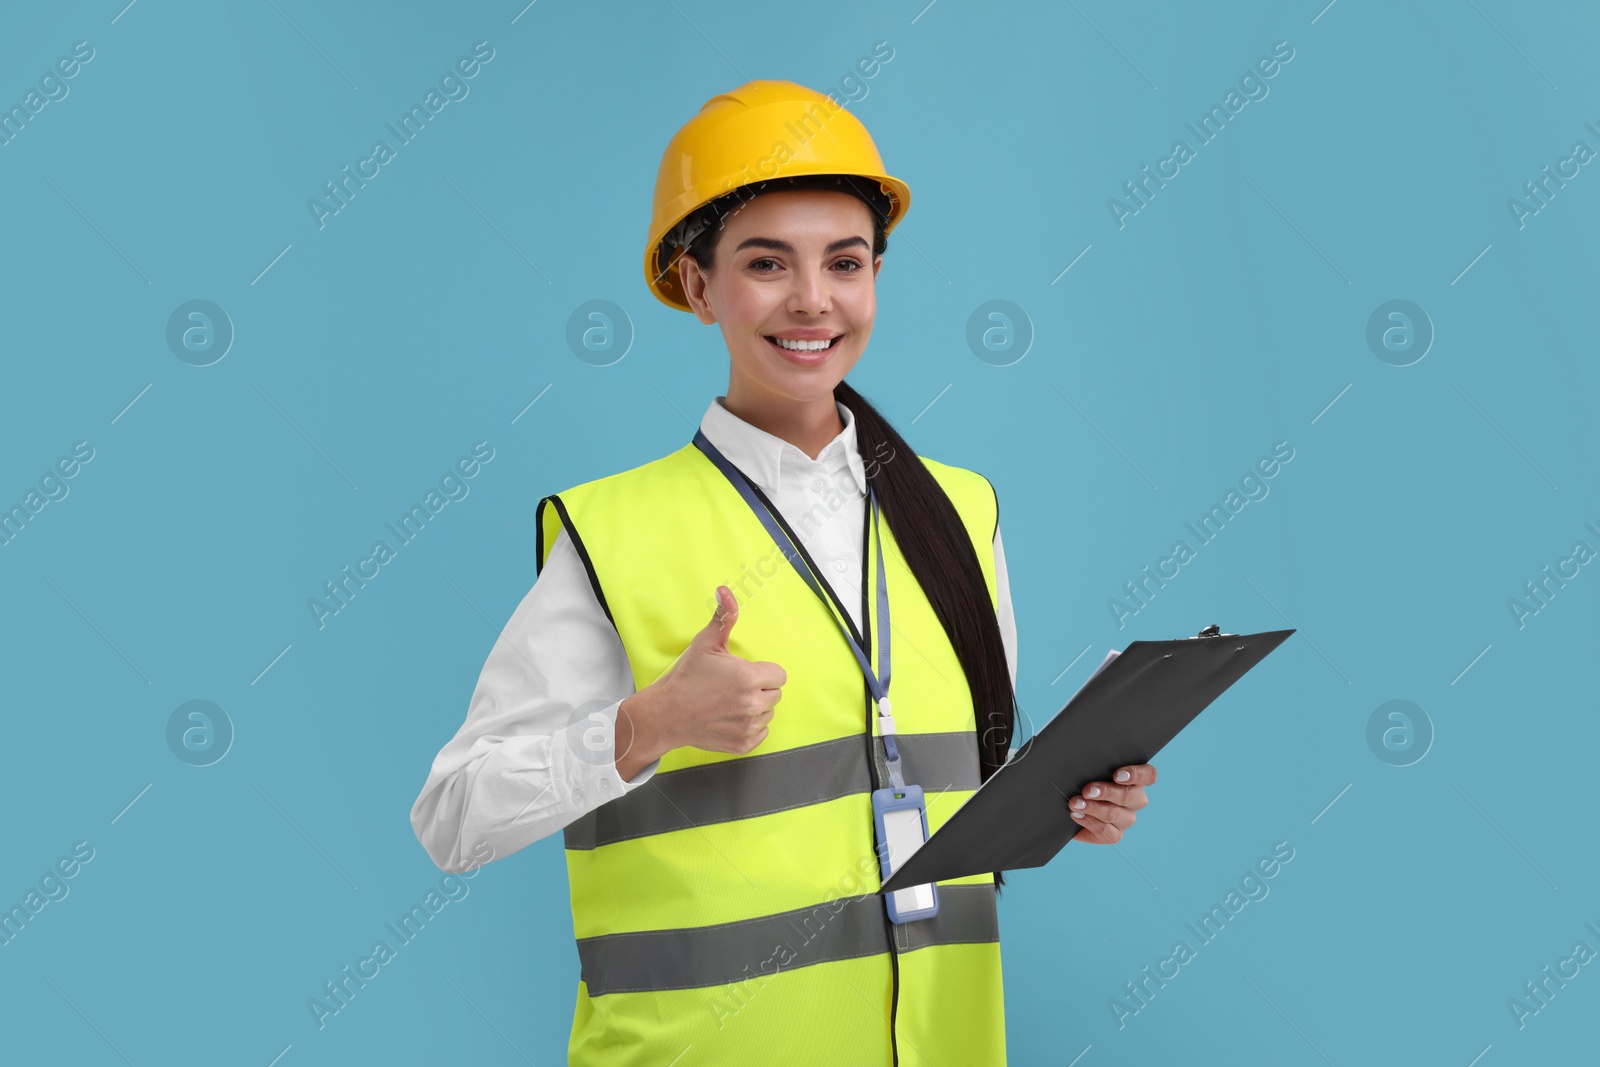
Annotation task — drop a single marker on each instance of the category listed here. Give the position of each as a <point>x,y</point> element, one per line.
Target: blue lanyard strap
<point>878,683</point>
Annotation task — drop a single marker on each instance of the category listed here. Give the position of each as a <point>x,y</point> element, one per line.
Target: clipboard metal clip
<point>1211,631</point>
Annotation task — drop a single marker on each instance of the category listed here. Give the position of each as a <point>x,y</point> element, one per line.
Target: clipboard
<point>1125,713</point>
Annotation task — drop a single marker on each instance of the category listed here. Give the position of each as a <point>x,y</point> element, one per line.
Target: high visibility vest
<point>726,912</point>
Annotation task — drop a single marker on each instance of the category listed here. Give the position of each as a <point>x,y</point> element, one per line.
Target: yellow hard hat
<point>759,131</point>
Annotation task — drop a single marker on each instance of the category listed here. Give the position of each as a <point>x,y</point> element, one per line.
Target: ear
<point>875,265</point>
<point>694,289</point>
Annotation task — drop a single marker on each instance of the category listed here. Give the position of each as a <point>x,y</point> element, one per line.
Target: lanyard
<point>878,683</point>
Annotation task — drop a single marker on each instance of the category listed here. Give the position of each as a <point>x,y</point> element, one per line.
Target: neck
<point>808,425</point>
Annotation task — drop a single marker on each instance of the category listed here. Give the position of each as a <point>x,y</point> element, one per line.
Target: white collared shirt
<point>537,748</point>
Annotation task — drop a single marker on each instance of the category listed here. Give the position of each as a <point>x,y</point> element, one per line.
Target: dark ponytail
<point>921,517</point>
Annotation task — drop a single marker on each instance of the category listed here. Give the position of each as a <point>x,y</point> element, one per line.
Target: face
<point>791,264</point>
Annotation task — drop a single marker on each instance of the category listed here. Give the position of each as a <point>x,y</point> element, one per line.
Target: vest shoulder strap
<point>972,493</point>
<point>640,486</point>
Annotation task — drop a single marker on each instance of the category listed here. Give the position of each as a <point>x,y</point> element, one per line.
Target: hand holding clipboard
<point>1135,703</point>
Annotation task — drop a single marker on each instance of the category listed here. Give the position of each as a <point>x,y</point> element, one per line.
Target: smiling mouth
<point>831,345</point>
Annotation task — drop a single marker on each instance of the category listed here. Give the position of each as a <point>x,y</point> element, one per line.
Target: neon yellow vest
<point>726,912</point>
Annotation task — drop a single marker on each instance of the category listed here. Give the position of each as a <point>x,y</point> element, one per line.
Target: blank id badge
<point>902,824</point>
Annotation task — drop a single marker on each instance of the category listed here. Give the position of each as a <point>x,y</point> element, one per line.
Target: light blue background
<point>1229,314</point>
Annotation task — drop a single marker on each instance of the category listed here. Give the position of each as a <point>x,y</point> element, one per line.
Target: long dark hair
<point>924,522</point>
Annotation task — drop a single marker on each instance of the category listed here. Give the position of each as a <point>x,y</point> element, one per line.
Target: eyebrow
<point>787,248</point>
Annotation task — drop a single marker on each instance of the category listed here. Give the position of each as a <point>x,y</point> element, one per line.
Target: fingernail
<point>1078,802</point>
<point>1077,815</point>
<point>1093,791</point>
<point>1123,776</point>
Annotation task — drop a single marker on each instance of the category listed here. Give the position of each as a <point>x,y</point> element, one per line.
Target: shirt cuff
<point>587,750</point>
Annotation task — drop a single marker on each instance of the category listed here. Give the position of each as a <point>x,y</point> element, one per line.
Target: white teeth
<point>802,346</point>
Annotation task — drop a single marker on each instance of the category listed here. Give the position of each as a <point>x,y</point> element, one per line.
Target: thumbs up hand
<point>708,699</point>
<point>715,700</point>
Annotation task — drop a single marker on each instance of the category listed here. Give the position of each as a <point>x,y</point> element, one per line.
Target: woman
<point>721,850</point>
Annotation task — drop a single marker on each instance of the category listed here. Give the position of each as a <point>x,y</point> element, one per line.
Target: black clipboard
<point>1124,714</point>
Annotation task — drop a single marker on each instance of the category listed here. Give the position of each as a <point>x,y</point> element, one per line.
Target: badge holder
<point>901,818</point>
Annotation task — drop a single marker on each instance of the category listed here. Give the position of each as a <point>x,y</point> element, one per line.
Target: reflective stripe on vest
<point>718,955</point>
<point>775,781</point>
<point>728,907</point>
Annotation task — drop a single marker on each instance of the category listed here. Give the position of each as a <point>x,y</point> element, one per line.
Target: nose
<point>809,293</point>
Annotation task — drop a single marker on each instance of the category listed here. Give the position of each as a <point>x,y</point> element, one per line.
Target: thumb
<point>715,634</point>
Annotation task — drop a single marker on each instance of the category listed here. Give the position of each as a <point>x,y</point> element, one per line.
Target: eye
<point>754,263</point>
<point>855,265</point>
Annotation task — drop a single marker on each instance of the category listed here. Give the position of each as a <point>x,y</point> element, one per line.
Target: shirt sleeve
<point>537,748</point>
<point>1008,620</point>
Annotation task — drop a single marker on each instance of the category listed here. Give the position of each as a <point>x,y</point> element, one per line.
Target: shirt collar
<point>764,457</point>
